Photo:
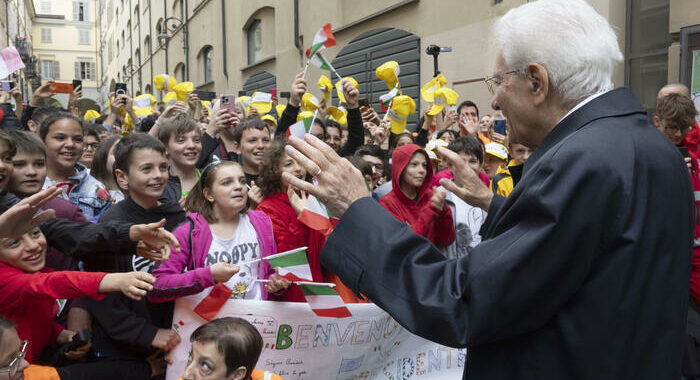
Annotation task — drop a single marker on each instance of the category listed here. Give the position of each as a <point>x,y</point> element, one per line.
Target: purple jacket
<point>172,283</point>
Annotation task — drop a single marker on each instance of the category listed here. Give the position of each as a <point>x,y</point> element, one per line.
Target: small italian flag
<point>292,265</point>
<point>385,100</point>
<point>316,216</point>
<point>318,60</point>
<point>324,301</point>
<point>301,127</point>
<point>323,39</point>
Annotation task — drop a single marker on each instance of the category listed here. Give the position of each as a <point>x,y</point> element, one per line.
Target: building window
<point>180,72</point>
<point>46,7</point>
<point>50,69</point>
<point>45,35</point>
<point>85,70</point>
<point>83,37</point>
<point>254,42</point>
<point>110,51</point>
<point>80,11</point>
<point>646,58</point>
<point>207,62</point>
<point>147,45</point>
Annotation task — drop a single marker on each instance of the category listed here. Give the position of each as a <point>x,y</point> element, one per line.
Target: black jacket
<point>121,326</point>
<point>355,128</point>
<point>583,271</point>
<point>81,239</point>
<point>128,211</point>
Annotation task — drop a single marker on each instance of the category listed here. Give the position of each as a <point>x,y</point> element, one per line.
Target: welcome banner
<point>300,345</point>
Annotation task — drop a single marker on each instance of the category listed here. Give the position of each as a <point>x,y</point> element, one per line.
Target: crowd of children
<point>209,184</point>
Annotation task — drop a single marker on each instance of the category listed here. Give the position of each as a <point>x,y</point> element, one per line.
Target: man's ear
<point>122,179</point>
<point>237,374</point>
<point>538,77</point>
<point>657,121</point>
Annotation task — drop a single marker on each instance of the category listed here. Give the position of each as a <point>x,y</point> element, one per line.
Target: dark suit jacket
<point>584,269</point>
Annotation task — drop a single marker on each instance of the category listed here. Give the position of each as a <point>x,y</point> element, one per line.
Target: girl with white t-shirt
<point>220,237</point>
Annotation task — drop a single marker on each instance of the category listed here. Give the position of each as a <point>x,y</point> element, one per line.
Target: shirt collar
<point>583,103</point>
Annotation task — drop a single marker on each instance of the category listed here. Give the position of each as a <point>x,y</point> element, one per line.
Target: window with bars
<point>45,35</point>
<point>83,37</point>
<point>80,12</point>
<point>85,70</point>
<point>49,69</point>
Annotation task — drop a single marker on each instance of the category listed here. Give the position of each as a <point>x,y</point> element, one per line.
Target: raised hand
<point>339,182</point>
<point>352,94</point>
<point>255,195</point>
<point>41,93</point>
<point>298,201</point>
<point>297,91</point>
<point>437,201</point>
<point>466,183</point>
<point>22,217</point>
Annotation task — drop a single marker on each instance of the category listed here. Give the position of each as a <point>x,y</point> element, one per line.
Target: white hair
<point>576,45</point>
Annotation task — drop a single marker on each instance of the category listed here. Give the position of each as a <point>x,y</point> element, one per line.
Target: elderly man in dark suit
<point>584,269</point>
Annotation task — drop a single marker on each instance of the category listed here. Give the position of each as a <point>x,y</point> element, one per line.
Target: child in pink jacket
<point>218,240</point>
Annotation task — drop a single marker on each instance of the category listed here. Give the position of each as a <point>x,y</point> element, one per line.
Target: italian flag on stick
<point>319,60</point>
<point>292,265</point>
<point>301,127</point>
<point>323,39</point>
<point>316,216</point>
<point>324,301</point>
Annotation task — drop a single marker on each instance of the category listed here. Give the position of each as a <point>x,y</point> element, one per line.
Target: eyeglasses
<point>497,79</point>
<point>14,364</point>
<point>675,128</point>
<point>92,146</point>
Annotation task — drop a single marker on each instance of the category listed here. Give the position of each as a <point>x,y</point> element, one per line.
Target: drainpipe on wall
<point>297,41</point>
<point>223,38</point>
<point>185,31</point>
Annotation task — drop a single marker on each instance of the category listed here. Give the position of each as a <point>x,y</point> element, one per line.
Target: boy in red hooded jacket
<point>413,201</point>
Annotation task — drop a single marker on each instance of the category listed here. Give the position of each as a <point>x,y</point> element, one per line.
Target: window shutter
<point>86,11</point>
<point>93,76</point>
<point>77,71</point>
<point>56,70</point>
<point>75,11</point>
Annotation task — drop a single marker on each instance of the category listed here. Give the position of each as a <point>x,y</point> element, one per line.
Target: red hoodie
<point>290,233</point>
<point>29,300</point>
<point>695,273</point>
<point>692,139</point>
<point>436,227</point>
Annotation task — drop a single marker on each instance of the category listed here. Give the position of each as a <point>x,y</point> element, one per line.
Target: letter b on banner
<point>283,339</point>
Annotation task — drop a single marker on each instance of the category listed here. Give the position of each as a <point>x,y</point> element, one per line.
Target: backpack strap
<point>189,259</point>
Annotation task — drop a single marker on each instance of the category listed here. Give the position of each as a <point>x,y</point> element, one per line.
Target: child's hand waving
<point>133,284</point>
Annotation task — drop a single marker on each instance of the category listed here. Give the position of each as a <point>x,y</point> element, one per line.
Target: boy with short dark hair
<point>126,329</point>
<point>467,219</point>
<point>508,176</point>
<point>182,139</point>
<point>251,138</point>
